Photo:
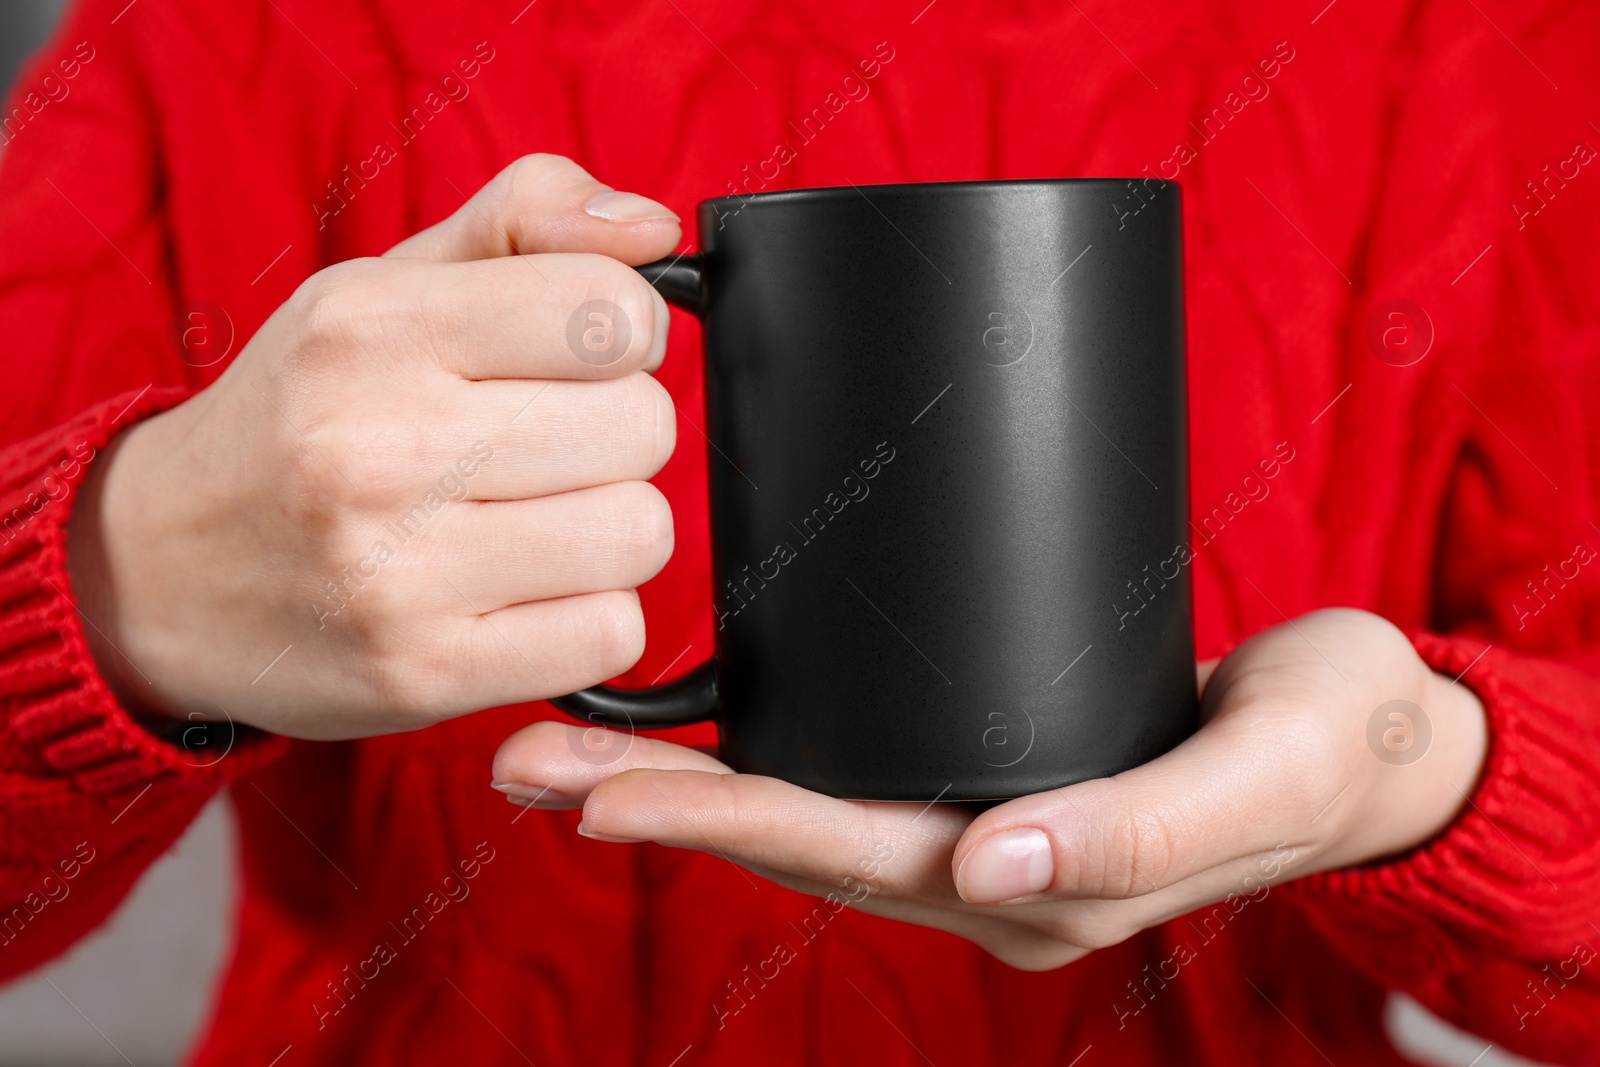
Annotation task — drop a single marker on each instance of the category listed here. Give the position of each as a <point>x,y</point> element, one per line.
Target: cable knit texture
<point>397,911</point>
<point>73,766</point>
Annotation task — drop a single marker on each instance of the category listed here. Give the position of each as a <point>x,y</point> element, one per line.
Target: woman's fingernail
<point>586,832</point>
<point>536,796</point>
<point>1009,865</point>
<point>626,207</point>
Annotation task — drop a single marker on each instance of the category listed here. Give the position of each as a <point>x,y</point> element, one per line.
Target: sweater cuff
<point>58,717</point>
<point>1513,873</point>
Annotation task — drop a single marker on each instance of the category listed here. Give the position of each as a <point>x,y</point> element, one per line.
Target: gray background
<point>137,991</point>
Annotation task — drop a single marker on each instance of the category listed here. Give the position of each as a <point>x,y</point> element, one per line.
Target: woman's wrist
<point>1460,741</point>
<point>90,531</point>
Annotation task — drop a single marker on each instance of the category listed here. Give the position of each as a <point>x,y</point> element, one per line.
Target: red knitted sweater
<point>167,155</point>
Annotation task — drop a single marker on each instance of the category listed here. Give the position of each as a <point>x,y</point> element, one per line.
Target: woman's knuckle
<point>524,175</point>
<point>622,311</point>
<point>641,302</point>
<point>391,604</point>
<point>655,416</point>
<point>387,454</point>
<point>619,631</point>
<point>339,306</point>
<point>409,676</point>
<point>1140,853</point>
<point>646,518</point>
<point>317,466</point>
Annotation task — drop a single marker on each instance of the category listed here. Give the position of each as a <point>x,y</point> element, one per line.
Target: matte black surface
<point>961,624</point>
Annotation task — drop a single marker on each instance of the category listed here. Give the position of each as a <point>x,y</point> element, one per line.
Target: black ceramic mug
<point>948,483</point>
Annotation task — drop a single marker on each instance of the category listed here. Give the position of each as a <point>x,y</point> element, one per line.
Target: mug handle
<point>693,698</point>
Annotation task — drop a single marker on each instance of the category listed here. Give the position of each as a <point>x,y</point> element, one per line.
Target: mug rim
<point>823,192</point>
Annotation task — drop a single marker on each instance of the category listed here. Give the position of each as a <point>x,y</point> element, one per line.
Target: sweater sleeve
<point>88,798</point>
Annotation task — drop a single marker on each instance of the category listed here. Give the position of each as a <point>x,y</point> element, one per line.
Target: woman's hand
<point>1303,764</point>
<point>420,489</point>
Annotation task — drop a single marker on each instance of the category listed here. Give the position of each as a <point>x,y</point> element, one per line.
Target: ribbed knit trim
<point>54,702</point>
<point>1516,869</point>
